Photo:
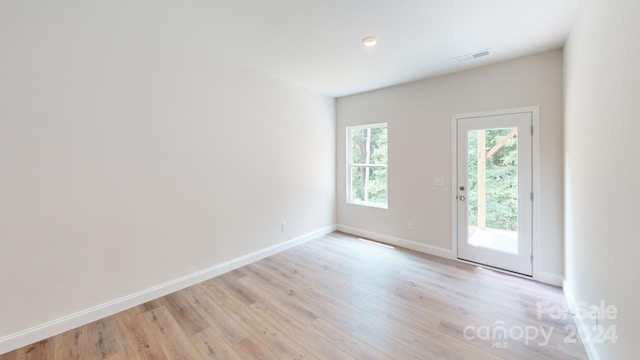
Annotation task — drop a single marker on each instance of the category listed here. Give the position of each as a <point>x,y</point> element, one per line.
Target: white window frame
<point>350,165</point>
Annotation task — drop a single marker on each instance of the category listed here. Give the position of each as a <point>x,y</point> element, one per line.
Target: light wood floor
<point>333,298</point>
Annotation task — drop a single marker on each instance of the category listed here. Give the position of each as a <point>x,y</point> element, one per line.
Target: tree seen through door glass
<point>493,188</point>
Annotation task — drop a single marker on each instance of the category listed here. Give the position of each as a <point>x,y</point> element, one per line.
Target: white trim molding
<point>547,277</point>
<point>392,240</point>
<point>537,273</point>
<point>589,347</point>
<point>350,165</point>
<point>40,332</point>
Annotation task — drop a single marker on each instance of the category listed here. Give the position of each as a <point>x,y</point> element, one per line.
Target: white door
<point>494,190</point>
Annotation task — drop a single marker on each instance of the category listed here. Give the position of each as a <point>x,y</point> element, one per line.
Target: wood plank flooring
<point>336,297</point>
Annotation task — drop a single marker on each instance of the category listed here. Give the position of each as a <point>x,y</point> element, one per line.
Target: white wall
<point>126,162</point>
<point>419,117</point>
<point>602,170</point>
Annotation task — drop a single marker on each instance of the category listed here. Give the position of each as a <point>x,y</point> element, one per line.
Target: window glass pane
<point>369,184</point>
<point>378,146</point>
<point>369,146</point>
<point>358,146</point>
<point>367,165</point>
<point>377,186</point>
<point>357,183</point>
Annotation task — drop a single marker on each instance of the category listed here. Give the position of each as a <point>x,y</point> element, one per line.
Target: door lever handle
<point>461,198</point>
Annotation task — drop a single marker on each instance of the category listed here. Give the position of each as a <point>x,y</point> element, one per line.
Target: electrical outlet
<point>438,181</point>
<point>284,226</point>
<point>411,225</point>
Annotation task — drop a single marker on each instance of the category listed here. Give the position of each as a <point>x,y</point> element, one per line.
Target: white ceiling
<point>316,44</point>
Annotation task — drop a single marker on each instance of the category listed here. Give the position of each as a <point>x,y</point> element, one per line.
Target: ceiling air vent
<point>473,56</point>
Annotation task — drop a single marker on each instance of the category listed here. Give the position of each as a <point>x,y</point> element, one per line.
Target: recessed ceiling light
<point>370,41</point>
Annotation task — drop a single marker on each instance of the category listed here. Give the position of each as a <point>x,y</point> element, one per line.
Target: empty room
<point>409,179</point>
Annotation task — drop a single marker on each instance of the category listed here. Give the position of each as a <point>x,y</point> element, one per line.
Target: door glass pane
<point>493,189</point>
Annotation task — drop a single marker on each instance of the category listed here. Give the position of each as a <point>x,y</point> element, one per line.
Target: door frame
<point>535,178</point>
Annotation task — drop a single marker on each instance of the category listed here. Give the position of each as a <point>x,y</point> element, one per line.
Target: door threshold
<point>496,269</point>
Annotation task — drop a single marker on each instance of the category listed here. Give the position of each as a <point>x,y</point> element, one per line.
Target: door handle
<point>461,198</point>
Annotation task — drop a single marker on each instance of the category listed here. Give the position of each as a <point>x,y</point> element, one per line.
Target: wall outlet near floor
<point>284,226</point>
<point>411,225</point>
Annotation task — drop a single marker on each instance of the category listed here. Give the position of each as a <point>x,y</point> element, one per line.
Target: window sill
<point>369,204</point>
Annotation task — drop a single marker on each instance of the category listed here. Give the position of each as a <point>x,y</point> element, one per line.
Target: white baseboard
<point>545,277</point>
<point>43,331</point>
<point>548,278</point>
<point>592,353</point>
<point>428,249</point>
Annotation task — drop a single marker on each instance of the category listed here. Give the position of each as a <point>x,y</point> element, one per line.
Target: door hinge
<point>531,130</point>
<point>532,196</point>
<point>532,258</point>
